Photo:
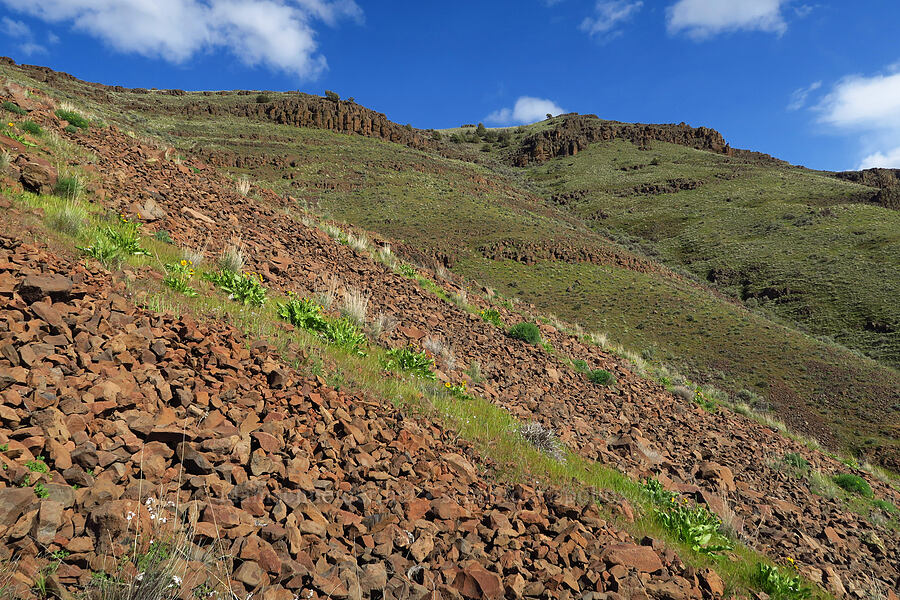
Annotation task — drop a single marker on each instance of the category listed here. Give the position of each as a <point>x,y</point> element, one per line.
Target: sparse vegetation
<point>780,585</point>
<point>543,439</point>
<point>355,306</point>
<point>68,186</point>
<point>178,277</point>
<point>32,128</point>
<point>493,317</point>
<point>68,218</point>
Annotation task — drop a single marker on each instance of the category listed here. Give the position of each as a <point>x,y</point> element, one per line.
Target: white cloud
<point>608,14</point>
<point>800,96</point>
<point>890,160</point>
<point>19,31</point>
<point>274,33</point>
<point>864,103</point>
<point>526,110</point>
<point>870,108</point>
<point>702,19</point>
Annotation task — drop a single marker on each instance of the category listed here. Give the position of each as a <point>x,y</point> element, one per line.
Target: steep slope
<point>490,223</point>
<point>728,462</point>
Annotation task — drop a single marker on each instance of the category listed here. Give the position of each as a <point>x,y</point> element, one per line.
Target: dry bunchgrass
<point>10,586</point>
<point>382,323</point>
<point>195,256</point>
<point>438,349</point>
<point>355,306</point>
<point>543,439</point>
<point>5,160</point>
<point>326,294</point>
<point>460,298</point>
<point>242,186</point>
<point>683,392</point>
<point>68,218</point>
<point>387,257</point>
<point>232,258</point>
<point>600,339</point>
<point>442,272</point>
<point>358,242</point>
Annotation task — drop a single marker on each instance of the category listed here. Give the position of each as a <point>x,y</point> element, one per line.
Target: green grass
<point>795,242</point>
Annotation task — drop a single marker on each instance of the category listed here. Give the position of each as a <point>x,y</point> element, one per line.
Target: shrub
<point>68,187</point>
<point>527,332</point>
<point>456,138</point>
<point>263,99</point>
<point>779,585</point>
<point>481,130</point>
<point>70,129</point>
<point>492,316</point>
<point>436,136</point>
<point>853,484</point>
<point>73,118</point>
<point>601,377</point>
<point>245,288</point>
<point>485,147</point>
<point>795,460</point>
<point>32,128</point>
<point>410,360</point>
<point>14,108</point>
<point>163,236</point>
<point>580,365</point>
<point>332,96</point>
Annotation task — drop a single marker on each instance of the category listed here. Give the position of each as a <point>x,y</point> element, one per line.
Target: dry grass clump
<point>380,324</point>
<point>600,339</point>
<point>5,160</point>
<point>195,256</point>
<point>68,218</point>
<point>460,298</point>
<point>242,186</point>
<point>543,439</point>
<point>683,392</point>
<point>355,306</point>
<point>387,257</point>
<point>437,348</point>
<point>232,258</point>
<point>325,295</point>
<point>358,242</point>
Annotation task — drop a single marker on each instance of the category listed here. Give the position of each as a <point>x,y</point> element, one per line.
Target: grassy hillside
<point>785,239</point>
<point>781,237</point>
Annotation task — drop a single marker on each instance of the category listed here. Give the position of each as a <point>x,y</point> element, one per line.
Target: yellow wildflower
<point>447,385</point>
<point>183,263</point>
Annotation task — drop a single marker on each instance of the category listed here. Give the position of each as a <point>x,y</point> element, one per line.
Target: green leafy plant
<point>178,277</point>
<point>127,237</point>
<point>580,365</point>
<point>14,108</point>
<point>37,465</point>
<point>407,270</point>
<point>853,484</point>
<point>245,288</point>
<point>4,447</point>
<point>40,490</point>
<point>527,332</point>
<point>303,313</point>
<point>73,118</point>
<point>163,236</point>
<point>410,360</point>
<point>10,133</point>
<point>601,377</point>
<point>103,249</point>
<point>343,333</point>
<point>780,585</point>
<point>70,129</point>
<point>492,316</point>
<point>690,523</point>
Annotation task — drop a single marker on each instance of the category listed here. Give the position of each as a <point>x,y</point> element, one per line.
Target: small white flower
<point>139,577</point>
<point>176,579</point>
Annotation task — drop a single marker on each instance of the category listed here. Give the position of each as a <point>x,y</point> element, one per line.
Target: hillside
<point>676,288</point>
<point>303,458</point>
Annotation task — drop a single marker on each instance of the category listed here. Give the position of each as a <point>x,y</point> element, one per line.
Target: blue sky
<point>815,83</point>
